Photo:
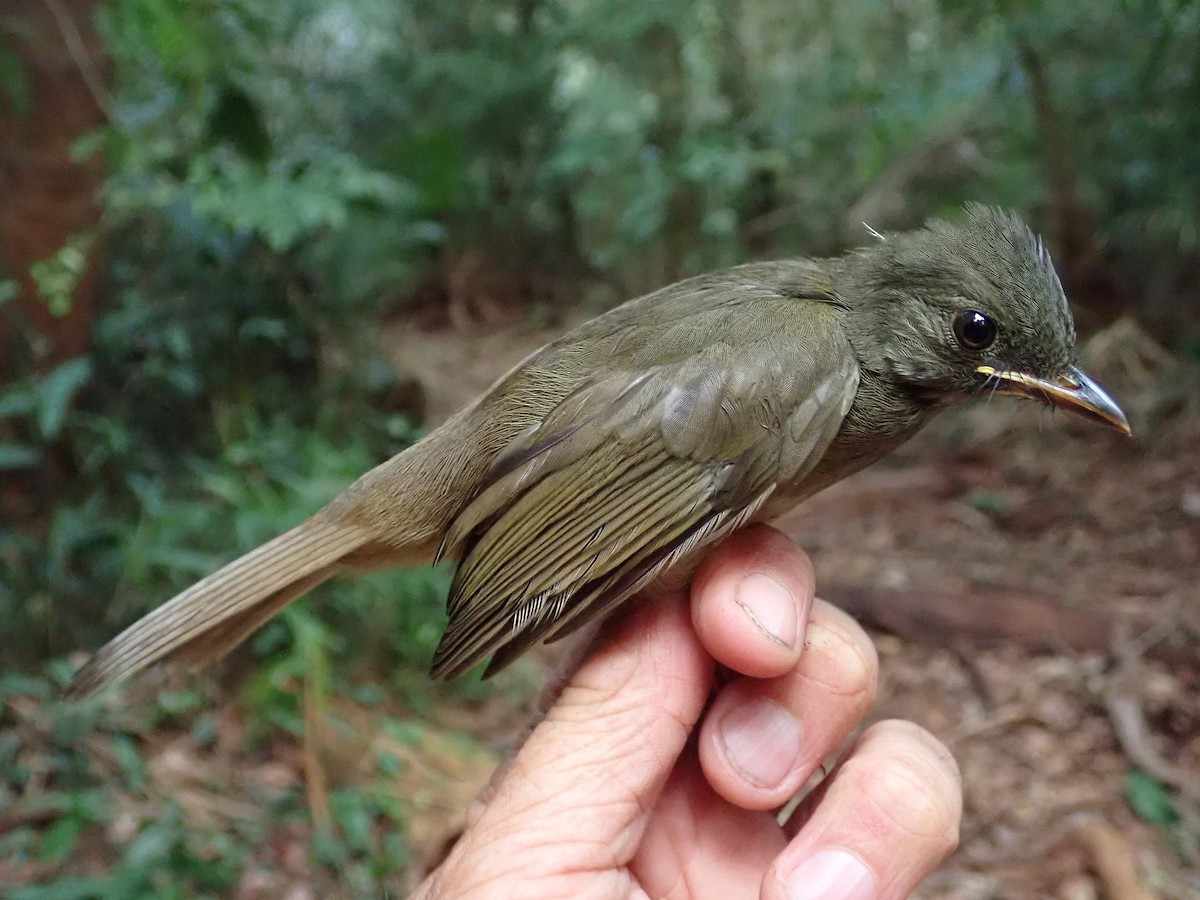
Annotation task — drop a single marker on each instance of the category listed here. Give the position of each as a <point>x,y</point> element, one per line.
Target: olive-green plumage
<point>598,467</point>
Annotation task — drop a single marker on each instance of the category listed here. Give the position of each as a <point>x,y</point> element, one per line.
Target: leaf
<point>57,276</point>
<point>1150,798</point>
<point>237,120</point>
<point>328,849</point>
<point>9,290</point>
<point>16,684</point>
<point>68,888</point>
<point>18,456</point>
<point>14,80</point>
<point>126,755</point>
<point>350,809</point>
<point>19,399</point>
<point>60,838</point>
<point>152,846</point>
<point>57,391</point>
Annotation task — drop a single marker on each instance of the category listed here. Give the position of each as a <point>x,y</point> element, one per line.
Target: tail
<point>214,615</point>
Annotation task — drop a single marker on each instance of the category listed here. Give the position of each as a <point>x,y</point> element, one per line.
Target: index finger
<point>750,602</point>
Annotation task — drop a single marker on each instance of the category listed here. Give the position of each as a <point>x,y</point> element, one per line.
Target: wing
<point>634,470</point>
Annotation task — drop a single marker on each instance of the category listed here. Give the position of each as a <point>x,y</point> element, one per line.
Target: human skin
<point>659,769</point>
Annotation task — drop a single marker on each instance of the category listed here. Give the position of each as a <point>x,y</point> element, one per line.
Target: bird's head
<point>954,310</point>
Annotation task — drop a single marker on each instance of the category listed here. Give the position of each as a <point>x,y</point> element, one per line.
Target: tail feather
<point>217,641</point>
<point>215,614</point>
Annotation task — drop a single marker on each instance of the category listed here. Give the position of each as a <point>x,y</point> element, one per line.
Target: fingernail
<point>770,606</point>
<point>762,740</point>
<point>831,875</point>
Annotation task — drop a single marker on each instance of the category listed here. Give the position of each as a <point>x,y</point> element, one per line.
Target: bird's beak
<point>1072,391</point>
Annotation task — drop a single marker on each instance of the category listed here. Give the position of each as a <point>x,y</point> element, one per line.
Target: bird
<point>600,467</point>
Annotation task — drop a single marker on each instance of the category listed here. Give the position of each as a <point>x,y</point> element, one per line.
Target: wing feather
<point>634,471</point>
<point>556,564</point>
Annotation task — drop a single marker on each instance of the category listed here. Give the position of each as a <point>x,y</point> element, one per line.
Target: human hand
<point>633,787</point>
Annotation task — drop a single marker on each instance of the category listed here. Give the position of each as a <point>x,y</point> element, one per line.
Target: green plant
<point>109,801</point>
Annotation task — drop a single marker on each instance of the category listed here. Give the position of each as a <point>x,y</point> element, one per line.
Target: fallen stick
<point>1035,622</point>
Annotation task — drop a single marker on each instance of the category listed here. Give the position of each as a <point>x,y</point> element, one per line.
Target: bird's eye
<point>974,330</point>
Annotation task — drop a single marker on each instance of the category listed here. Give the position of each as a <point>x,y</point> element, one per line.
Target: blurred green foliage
<point>364,138</point>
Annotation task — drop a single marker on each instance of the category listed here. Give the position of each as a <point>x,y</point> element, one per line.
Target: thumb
<point>586,779</point>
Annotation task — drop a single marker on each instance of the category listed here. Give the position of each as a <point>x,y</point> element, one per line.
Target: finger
<point>889,815</point>
<point>763,738</point>
<point>750,602</point>
<point>590,771</point>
